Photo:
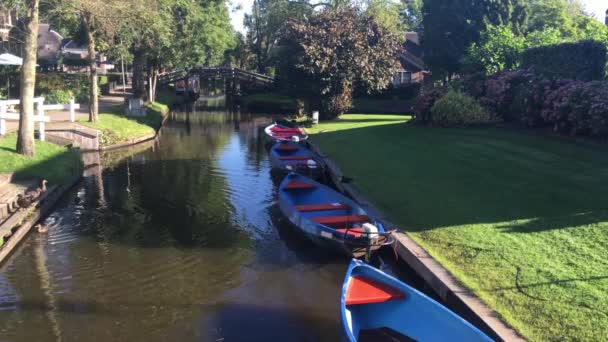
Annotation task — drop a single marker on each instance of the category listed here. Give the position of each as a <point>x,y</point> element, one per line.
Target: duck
<point>42,228</point>
<point>25,200</point>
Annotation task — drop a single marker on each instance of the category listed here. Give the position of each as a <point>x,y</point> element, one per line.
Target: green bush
<point>584,60</point>
<point>458,109</point>
<point>58,97</point>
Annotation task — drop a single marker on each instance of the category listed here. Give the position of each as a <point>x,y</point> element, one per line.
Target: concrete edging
<point>434,274</point>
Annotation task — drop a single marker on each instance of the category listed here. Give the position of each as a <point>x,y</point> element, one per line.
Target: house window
<point>402,77</point>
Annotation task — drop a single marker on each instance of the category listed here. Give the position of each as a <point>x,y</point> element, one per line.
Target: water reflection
<point>182,241</point>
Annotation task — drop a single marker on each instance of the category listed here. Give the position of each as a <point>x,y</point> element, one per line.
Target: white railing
<point>40,118</point>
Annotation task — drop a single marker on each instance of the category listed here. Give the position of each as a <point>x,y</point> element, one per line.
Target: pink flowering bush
<point>426,100</point>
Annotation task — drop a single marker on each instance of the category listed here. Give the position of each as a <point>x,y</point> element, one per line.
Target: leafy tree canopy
<point>330,51</point>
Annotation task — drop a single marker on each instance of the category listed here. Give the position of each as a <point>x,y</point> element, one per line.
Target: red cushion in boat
<point>285,130</point>
<point>321,207</point>
<point>295,157</point>
<point>294,184</point>
<point>365,290</point>
<point>341,220</point>
<point>286,147</point>
<point>354,232</point>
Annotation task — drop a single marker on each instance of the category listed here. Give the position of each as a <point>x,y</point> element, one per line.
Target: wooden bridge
<point>234,74</point>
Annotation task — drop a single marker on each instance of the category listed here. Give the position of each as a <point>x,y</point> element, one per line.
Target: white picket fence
<point>40,118</point>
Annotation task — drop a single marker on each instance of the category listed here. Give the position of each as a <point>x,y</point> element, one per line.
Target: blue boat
<point>290,156</point>
<point>377,307</point>
<point>329,218</point>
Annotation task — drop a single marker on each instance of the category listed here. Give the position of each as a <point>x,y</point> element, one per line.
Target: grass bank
<point>518,218</point>
<point>116,127</point>
<point>55,163</point>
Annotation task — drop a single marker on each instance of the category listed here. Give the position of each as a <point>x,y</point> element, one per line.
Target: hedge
<point>583,60</point>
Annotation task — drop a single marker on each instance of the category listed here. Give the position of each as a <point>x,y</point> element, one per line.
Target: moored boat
<point>293,157</point>
<point>278,132</point>
<point>329,218</point>
<point>377,307</point>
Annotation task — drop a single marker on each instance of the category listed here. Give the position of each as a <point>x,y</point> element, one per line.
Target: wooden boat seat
<point>382,334</point>
<point>365,290</point>
<point>341,220</point>
<point>321,207</point>
<point>354,232</point>
<point>298,185</point>
<point>295,157</point>
<point>286,147</point>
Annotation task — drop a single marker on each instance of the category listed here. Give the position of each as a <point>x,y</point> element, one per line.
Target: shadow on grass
<point>436,177</point>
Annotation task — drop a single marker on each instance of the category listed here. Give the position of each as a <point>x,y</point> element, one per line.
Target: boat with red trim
<point>329,218</point>
<point>279,132</point>
<point>375,306</point>
<point>290,156</point>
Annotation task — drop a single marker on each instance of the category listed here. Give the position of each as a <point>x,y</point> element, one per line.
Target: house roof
<point>49,43</point>
<point>411,56</point>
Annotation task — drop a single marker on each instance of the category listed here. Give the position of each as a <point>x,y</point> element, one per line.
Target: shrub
<point>583,60</point>
<point>422,111</point>
<point>58,97</point>
<point>458,109</point>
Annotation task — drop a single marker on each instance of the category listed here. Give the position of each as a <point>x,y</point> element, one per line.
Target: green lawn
<point>55,163</point>
<point>116,128</point>
<point>519,217</point>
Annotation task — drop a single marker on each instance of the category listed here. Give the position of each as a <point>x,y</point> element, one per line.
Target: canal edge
<point>440,279</point>
<point>25,220</point>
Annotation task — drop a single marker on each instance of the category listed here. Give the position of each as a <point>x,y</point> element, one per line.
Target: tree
<point>98,20</point>
<point>264,24</point>
<point>498,49</point>
<point>332,50</point>
<point>387,14</point>
<point>411,15</point>
<point>451,26</point>
<point>25,138</point>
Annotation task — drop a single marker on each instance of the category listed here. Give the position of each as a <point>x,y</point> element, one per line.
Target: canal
<point>182,241</point>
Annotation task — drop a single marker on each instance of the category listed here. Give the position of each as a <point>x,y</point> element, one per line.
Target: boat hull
<point>322,235</point>
<point>412,315</point>
<point>297,164</point>
<point>276,137</point>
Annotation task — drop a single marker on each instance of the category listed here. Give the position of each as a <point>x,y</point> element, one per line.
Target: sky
<point>595,7</point>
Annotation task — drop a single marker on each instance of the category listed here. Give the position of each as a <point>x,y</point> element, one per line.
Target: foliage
<point>500,208</point>
<point>411,14</point>
<point>546,36</point>
<point>577,108</point>
<point>270,103</point>
<point>332,50</point>
<point>58,97</point>
<point>584,60</point>
<point>386,13</point>
<point>425,103</point>
<point>451,26</point>
<point>264,24</point>
<point>498,49</point>
<point>556,14</point>
<point>458,109</point>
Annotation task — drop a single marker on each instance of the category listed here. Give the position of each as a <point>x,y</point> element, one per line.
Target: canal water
<point>182,241</point>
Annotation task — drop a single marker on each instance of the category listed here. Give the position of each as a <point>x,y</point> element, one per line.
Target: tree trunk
<point>25,139</point>
<point>94,93</point>
<point>139,78</point>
